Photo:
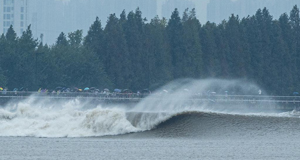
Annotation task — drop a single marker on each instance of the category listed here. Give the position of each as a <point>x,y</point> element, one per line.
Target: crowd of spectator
<point>75,92</point>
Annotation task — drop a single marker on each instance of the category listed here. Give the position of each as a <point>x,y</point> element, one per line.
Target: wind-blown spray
<point>77,118</point>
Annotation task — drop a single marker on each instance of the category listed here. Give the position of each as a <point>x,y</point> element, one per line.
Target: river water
<point>265,147</point>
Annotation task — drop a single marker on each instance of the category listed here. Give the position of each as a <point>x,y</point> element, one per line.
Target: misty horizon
<point>51,17</point>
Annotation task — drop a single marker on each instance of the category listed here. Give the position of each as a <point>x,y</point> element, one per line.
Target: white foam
<point>68,120</point>
<point>43,118</point>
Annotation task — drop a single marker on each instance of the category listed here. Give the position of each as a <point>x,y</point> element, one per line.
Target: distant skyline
<point>200,6</point>
<point>51,17</point>
<point>219,10</point>
<point>13,13</point>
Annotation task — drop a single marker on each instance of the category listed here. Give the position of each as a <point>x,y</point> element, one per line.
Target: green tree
<point>192,58</point>
<point>254,36</point>
<point>43,61</point>
<point>290,64</point>
<point>222,50</point>
<point>3,79</point>
<point>211,63</point>
<point>175,32</point>
<point>62,40</point>
<point>75,39</point>
<point>134,32</point>
<point>246,47</point>
<point>117,64</point>
<point>158,59</point>
<point>280,73</point>
<point>8,55</point>
<point>11,35</point>
<point>295,49</point>
<point>26,72</point>
<point>57,63</point>
<point>130,53</point>
<point>11,59</point>
<point>94,39</point>
<point>266,50</point>
<point>236,53</point>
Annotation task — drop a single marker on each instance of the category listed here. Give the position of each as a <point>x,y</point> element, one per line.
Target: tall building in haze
<point>51,17</point>
<point>218,10</point>
<point>170,5</point>
<point>13,12</point>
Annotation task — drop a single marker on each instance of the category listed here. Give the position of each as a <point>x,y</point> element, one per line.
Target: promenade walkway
<point>138,97</point>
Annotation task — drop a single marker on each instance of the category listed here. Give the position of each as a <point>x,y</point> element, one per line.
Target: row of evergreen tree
<point>130,52</point>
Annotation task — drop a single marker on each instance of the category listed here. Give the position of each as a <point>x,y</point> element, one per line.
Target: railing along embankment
<point>293,101</point>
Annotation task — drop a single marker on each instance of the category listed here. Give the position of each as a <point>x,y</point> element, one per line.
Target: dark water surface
<point>193,135</point>
<point>115,148</point>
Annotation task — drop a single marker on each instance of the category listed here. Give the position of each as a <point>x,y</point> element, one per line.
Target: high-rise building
<point>218,10</point>
<point>170,5</point>
<point>51,17</point>
<point>13,12</point>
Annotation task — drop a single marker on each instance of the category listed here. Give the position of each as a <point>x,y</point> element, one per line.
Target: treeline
<point>131,52</point>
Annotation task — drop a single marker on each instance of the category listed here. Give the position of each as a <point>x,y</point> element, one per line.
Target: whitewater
<point>74,118</point>
<point>161,126</point>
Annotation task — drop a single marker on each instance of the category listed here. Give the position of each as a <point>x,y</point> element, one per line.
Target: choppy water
<point>166,129</point>
<point>25,148</point>
<point>185,135</point>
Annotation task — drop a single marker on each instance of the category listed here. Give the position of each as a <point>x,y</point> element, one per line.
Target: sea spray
<point>43,117</point>
<point>67,120</point>
<point>186,95</point>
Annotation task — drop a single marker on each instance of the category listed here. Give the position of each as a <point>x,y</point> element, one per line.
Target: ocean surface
<point>168,128</point>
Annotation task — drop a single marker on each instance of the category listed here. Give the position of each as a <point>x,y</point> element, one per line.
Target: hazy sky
<point>50,17</point>
<point>54,17</point>
<point>200,5</point>
<point>202,12</point>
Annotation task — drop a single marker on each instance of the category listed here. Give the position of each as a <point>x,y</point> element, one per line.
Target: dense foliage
<point>130,52</point>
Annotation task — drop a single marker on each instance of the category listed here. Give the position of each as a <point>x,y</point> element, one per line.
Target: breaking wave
<point>68,120</point>
<point>71,120</point>
<point>170,116</point>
